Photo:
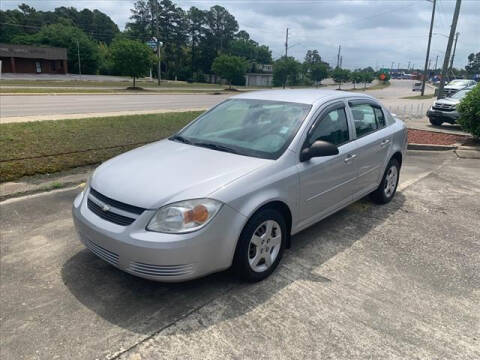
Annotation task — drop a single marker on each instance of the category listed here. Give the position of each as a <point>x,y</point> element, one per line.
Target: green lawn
<point>379,86</point>
<point>419,97</point>
<point>50,146</point>
<point>147,91</point>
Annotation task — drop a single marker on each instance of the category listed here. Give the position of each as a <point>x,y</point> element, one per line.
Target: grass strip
<point>104,83</point>
<point>419,97</point>
<point>50,146</point>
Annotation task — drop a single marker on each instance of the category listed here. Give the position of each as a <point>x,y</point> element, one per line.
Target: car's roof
<point>304,96</point>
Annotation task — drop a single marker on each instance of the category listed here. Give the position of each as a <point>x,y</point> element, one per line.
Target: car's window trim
<point>329,108</point>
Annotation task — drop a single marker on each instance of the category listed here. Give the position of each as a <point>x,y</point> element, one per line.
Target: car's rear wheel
<point>260,246</point>
<point>436,121</point>
<point>387,188</point>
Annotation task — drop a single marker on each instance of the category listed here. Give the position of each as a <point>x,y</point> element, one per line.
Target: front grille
<point>160,270</point>
<point>109,215</point>
<point>443,107</point>
<point>102,253</point>
<point>117,204</point>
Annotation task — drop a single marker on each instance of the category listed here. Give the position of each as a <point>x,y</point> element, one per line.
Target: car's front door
<point>327,183</point>
<point>373,142</point>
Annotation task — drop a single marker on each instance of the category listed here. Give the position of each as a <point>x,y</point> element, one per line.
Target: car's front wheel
<point>436,121</point>
<point>387,188</point>
<point>260,246</point>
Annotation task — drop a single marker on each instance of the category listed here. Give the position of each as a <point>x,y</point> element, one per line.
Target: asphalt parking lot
<point>400,281</point>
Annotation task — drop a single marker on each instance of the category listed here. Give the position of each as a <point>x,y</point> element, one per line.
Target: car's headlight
<point>184,216</point>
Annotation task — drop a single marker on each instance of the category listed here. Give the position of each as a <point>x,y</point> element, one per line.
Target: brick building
<point>33,59</point>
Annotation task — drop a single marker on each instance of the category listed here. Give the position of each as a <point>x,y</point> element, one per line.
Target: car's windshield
<point>460,94</point>
<point>249,127</point>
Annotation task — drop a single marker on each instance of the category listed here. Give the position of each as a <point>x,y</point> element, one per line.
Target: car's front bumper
<point>160,256</point>
<point>450,116</point>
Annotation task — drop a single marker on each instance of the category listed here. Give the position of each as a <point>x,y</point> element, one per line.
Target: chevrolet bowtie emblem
<point>105,207</point>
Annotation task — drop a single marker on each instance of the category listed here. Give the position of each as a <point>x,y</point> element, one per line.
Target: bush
<point>469,110</point>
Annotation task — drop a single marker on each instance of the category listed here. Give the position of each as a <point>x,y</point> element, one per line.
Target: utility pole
<point>159,63</point>
<point>157,38</point>
<point>453,54</point>
<point>391,67</point>
<point>436,64</point>
<point>408,67</point>
<point>338,56</point>
<point>453,28</point>
<point>78,55</point>
<point>428,48</point>
<point>341,61</point>
<point>286,44</point>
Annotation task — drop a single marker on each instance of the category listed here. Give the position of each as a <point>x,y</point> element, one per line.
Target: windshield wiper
<point>216,147</point>
<point>180,138</point>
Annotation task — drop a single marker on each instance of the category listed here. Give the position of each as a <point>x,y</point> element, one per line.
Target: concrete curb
<point>431,147</point>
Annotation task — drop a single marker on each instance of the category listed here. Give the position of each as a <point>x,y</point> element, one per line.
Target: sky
<point>373,33</point>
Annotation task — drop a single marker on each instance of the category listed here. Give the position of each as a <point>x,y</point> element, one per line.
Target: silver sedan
<point>233,186</point>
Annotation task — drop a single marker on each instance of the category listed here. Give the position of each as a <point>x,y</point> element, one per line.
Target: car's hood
<point>168,171</point>
<point>455,87</point>
<point>447,101</point>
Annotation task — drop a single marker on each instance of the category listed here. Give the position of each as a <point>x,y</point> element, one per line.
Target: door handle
<point>350,157</point>
<point>384,142</point>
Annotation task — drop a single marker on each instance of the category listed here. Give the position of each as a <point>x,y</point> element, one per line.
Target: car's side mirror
<point>317,149</point>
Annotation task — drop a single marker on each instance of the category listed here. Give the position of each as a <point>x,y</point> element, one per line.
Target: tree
<point>222,27</point>
<point>473,66</point>
<point>356,77</point>
<point>230,68</point>
<point>67,37</point>
<point>285,71</point>
<point>368,75</point>
<point>314,68</point>
<point>132,58</point>
<point>27,21</point>
<point>340,75</point>
<point>196,19</point>
<point>469,110</point>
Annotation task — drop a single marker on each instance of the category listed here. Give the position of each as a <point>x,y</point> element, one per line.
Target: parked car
<point>445,110</point>
<point>455,85</point>
<point>231,187</point>
<point>417,86</point>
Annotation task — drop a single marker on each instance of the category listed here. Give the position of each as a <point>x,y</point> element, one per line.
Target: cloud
<point>370,32</point>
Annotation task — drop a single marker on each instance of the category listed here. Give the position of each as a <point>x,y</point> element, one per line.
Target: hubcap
<point>391,181</point>
<point>264,245</point>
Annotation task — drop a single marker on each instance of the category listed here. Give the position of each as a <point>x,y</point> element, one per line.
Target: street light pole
<point>453,28</point>
<point>428,48</point>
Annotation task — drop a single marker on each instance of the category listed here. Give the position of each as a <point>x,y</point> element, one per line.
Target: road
<point>28,105</point>
<point>399,281</point>
<point>33,106</point>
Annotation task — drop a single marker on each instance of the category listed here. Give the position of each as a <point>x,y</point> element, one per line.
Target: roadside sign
<point>152,44</point>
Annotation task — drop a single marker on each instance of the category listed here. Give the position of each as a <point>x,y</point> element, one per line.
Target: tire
<point>388,186</point>
<point>250,262</point>
<point>436,121</point>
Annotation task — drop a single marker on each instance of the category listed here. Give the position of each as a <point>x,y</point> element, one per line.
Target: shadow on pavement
<point>144,306</point>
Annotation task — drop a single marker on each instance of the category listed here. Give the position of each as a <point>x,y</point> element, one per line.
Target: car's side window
<point>364,118</point>
<point>331,127</point>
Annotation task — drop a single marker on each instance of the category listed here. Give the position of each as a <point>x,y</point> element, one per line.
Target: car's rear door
<point>327,183</point>
<point>372,144</point>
